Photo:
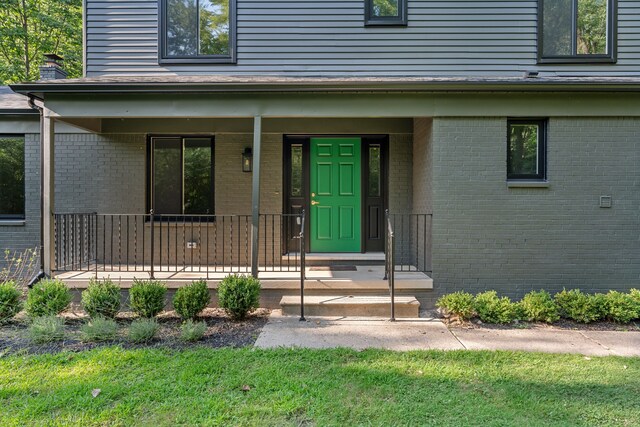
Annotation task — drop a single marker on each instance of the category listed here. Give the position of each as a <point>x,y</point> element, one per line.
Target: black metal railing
<point>153,243</point>
<point>407,247</point>
<point>302,265</point>
<point>75,241</point>
<point>389,263</point>
<point>412,242</point>
<point>277,233</point>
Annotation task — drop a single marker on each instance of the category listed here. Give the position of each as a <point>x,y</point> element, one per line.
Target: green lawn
<point>330,387</point>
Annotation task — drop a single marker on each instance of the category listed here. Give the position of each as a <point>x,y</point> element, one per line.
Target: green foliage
<point>578,306</point>
<point>385,8</point>
<point>19,266</point>
<point>621,307</point>
<point>239,295</point>
<point>190,300</point>
<point>182,39</point>
<point>101,298</point>
<point>458,304</point>
<point>491,309</point>
<point>539,307</point>
<point>31,28</point>
<point>143,330</point>
<point>147,297</point>
<point>635,294</point>
<point>203,386</point>
<point>523,148</point>
<point>48,297</point>
<point>12,169</point>
<point>46,329</point>
<point>592,27</point>
<point>99,329</point>
<point>191,331</point>
<point>10,303</point>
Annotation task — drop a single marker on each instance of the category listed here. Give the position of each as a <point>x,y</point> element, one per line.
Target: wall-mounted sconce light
<point>247,157</point>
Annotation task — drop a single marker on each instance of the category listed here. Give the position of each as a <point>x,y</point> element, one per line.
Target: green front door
<point>335,195</point>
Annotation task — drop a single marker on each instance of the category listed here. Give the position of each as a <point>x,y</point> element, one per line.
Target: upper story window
<point>385,12</point>
<point>576,30</point>
<point>197,31</point>
<point>526,150</point>
<point>11,177</point>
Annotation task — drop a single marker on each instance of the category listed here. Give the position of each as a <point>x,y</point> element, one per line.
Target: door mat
<point>334,268</point>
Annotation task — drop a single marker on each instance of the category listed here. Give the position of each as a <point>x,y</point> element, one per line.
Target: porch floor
<point>363,278</point>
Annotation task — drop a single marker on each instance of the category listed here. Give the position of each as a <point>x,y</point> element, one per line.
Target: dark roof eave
<point>40,89</point>
<point>19,112</point>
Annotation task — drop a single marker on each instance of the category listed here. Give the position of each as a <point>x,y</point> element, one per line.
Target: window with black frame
<point>181,177</point>
<point>385,12</point>
<point>576,30</point>
<point>12,173</point>
<point>526,150</point>
<point>197,31</point>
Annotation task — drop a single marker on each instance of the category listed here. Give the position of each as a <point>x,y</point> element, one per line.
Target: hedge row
<point>238,295</point>
<point>540,306</point>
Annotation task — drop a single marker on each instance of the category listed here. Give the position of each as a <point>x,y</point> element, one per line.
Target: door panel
<point>335,212</point>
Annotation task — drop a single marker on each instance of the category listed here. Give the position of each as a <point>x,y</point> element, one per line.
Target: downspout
<point>41,273</point>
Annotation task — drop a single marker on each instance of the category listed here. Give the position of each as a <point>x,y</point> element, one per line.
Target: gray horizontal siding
<point>308,37</point>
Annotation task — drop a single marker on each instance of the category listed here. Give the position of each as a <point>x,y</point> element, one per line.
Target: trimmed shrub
<point>190,300</point>
<point>578,306</point>
<point>539,307</point>
<point>191,331</point>
<point>46,329</point>
<point>635,294</point>
<point>147,297</point>
<point>601,305</point>
<point>99,329</point>
<point>238,295</point>
<point>143,330</point>
<point>48,297</point>
<point>101,299</point>
<point>491,309</point>
<point>621,307</point>
<point>458,304</point>
<point>10,303</point>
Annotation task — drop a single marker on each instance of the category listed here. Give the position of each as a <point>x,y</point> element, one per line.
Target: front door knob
<point>313,203</point>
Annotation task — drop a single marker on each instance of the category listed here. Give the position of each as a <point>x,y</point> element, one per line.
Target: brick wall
<point>400,173</point>
<point>488,236</point>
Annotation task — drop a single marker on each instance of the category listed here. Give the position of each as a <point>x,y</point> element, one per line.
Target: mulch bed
<point>221,332</point>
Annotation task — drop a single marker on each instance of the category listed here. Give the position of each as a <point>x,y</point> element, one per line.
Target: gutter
<point>40,110</point>
<point>38,90</point>
<point>18,112</point>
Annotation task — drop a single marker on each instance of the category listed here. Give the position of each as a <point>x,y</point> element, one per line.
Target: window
<point>181,175</point>
<point>11,177</point>
<point>526,150</point>
<point>385,12</point>
<point>576,30</point>
<point>197,31</point>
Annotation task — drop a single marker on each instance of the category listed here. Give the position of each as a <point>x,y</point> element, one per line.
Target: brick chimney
<point>52,68</point>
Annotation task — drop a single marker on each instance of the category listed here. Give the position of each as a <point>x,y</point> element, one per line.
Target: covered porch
<point>104,220</point>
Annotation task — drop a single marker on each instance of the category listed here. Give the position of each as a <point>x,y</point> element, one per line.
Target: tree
<point>31,28</point>
<point>385,8</point>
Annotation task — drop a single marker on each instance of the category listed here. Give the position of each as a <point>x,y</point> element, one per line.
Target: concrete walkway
<point>426,333</point>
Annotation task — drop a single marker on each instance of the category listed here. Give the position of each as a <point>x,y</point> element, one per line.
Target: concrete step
<point>364,306</point>
<point>341,259</point>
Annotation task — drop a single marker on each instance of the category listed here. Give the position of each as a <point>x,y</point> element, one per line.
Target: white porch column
<point>255,193</point>
<point>48,190</point>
